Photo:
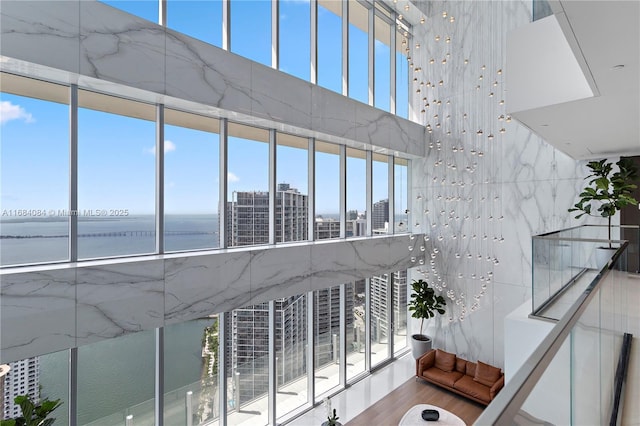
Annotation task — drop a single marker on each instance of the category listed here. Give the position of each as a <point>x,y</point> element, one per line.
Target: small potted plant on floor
<point>607,192</point>
<point>332,417</point>
<point>424,304</point>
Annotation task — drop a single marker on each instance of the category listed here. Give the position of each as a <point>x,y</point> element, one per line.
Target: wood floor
<point>389,410</point>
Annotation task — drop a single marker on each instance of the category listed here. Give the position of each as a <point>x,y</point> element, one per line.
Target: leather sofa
<point>479,382</point>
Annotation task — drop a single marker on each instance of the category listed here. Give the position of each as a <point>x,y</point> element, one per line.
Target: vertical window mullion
<point>371,56</point>
<point>410,222</point>
<point>73,173</point>
<point>223,218</point>
<point>392,196</point>
<point>311,349</point>
<point>272,364</point>
<point>369,191</point>
<point>275,34</point>
<point>314,42</point>
<point>159,179</point>
<point>367,326</point>
<point>73,387</point>
<point>272,186</point>
<point>343,336</point>
<point>162,12</point>
<point>392,61</point>
<point>223,319</point>
<point>226,25</point>
<point>345,47</point>
<point>343,191</point>
<point>159,382</point>
<point>390,322</point>
<point>311,198</point>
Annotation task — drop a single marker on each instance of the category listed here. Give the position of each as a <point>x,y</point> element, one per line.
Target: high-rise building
<point>4,369</point>
<point>326,228</point>
<point>23,378</point>
<point>380,215</point>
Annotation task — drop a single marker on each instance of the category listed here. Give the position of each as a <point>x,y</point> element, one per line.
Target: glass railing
<point>565,262</point>
<point>569,378</point>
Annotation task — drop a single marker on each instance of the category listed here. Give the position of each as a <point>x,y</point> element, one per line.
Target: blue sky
<point>116,153</point>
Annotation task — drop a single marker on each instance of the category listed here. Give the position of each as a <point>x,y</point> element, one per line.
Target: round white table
<point>413,417</point>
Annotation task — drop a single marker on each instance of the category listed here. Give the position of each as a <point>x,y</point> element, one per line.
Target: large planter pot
<point>603,255</point>
<point>420,345</point>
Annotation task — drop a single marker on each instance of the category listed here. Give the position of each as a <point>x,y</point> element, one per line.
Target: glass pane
<point>358,52</point>
<point>291,354</point>
<point>401,194</point>
<point>356,193</point>
<point>292,211</point>
<point>116,178</point>
<point>251,30</point>
<point>197,18</point>
<point>380,213</point>
<point>248,186</point>
<point>34,177</point>
<point>247,365</point>
<point>146,9</point>
<point>295,37</point>
<point>116,380</point>
<point>326,329</point>
<point>402,75</point>
<point>379,290</point>
<point>356,317</point>
<point>327,220</point>
<point>191,371</point>
<point>399,311</point>
<point>382,64</point>
<point>40,377</point>
<point>330,45</point>
<point>191,182</point>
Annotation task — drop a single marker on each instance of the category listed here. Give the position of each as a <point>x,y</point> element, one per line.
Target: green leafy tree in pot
<point>610,190</point>
<point>33,415</point>
<point>424,304</point>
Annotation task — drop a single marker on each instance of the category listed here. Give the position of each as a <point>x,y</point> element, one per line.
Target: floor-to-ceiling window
<point>327,332</point>
<point>327,202</point>
<point>196,18</point>
<point>380,191</point>
<point>330,45</point>
<point>402,73</point>
<point>116,176</point>
<point>247,186</point>
<point>292,176</point>
<point>356,332</point>
<point>401,194</point>
<point>251,29</point>
<point>358,51</point>
<point>379,288</point>
<point>191,159</point>
<point>146,9</point>
<point>356,193</point>
<point>295,38</point>
<point>34,171</point>
<point>382,59</point>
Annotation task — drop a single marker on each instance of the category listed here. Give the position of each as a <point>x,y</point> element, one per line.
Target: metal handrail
<point>508,402</point>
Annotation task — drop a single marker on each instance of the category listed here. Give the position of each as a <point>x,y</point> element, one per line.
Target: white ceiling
<point>602,34</point>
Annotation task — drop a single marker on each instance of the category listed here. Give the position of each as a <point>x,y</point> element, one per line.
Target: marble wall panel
<point>37,313</point>
<point>202,73</point>
<point>116,299</point>
<point>279,97</point>
<point>343,259</point>
<point>330,110</point>
<point>281,272</point>
<point>192,287</point>
<point>42,32</point>
<point>121,48</point>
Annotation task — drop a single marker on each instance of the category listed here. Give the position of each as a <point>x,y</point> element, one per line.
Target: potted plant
<point>424,304</point>
<point>607,191</point>
<point>33,415</point>
<point>332,417</point>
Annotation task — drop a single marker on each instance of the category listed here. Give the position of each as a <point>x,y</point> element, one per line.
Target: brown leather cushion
<point>471,369</point>
<point>486,374</point>
<point>461,365</point>
<point>443,377</point>
<point>467,385</point>
<point>445,361</point>
<point>427,359</point>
